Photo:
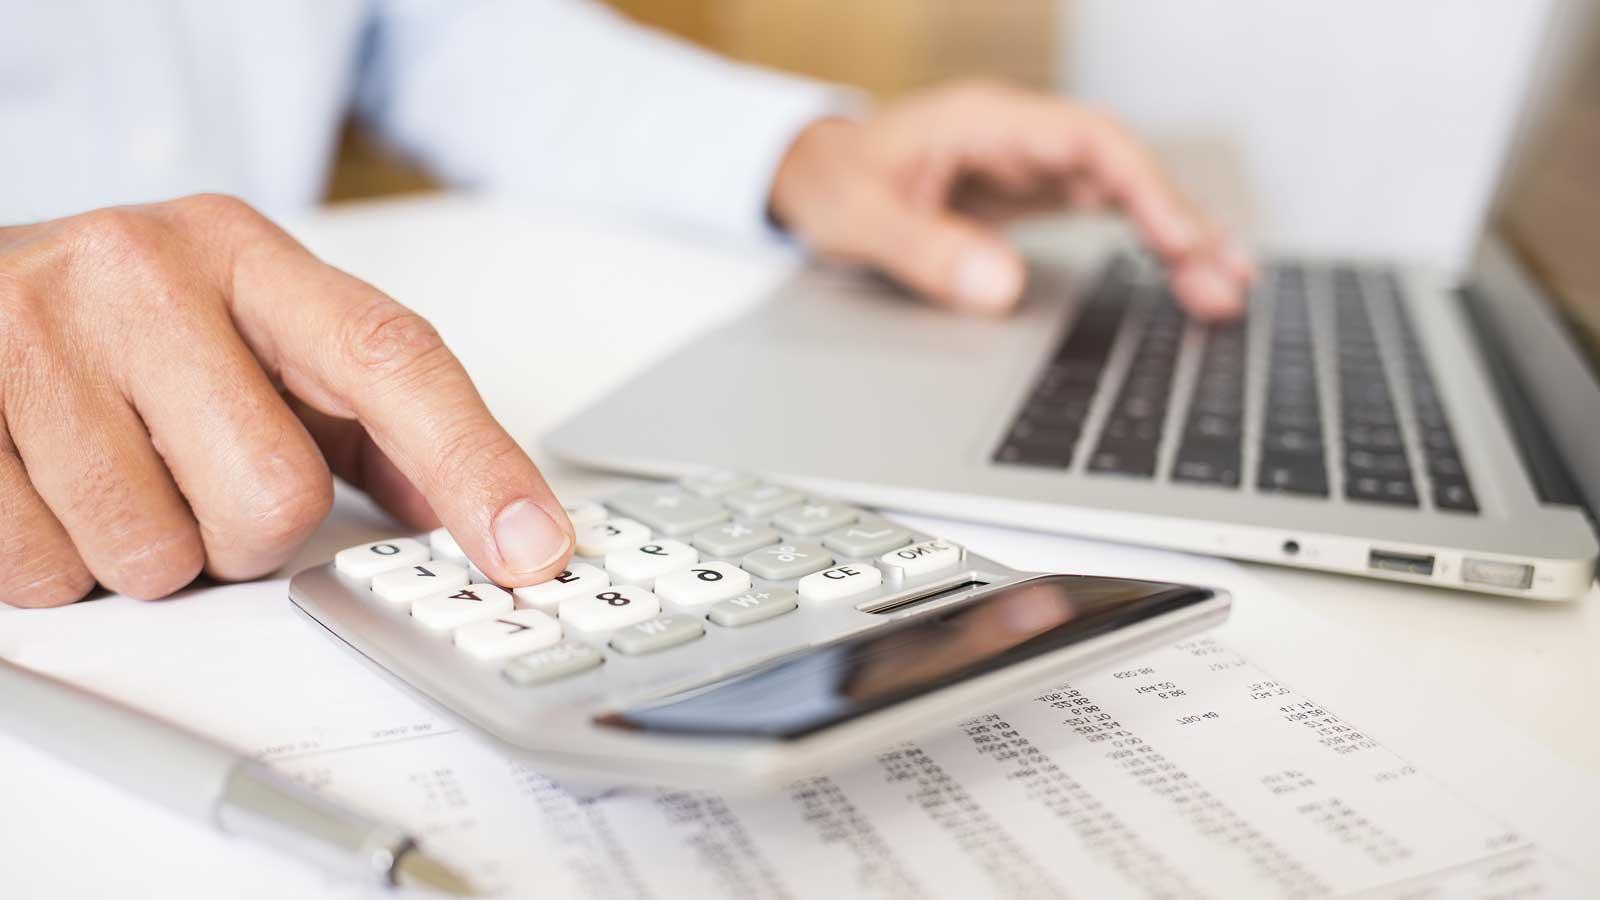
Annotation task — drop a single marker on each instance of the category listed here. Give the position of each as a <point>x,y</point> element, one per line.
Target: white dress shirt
<point>559,101</point>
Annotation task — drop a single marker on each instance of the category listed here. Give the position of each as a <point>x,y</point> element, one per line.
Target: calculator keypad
<point>670,511</point>
<point>646,562</point>
<point>368,560</point>
<point>840,582</point>
<point>703,583</point>
<point>608,535</point>
<point>617,606</point>
<point>734,539</point>
<point>580,578</point>
<point>512,634</point>
<point>790,559</point>
<point>412,583</point>
<point>451,609</point>
<point>752,607</point>
<point>813,517</point>
<point>653,566</point>
<point>657,634</point>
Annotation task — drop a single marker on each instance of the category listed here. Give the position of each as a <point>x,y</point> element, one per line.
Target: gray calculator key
<point>868,537</point>
<point>762,500</point>
<point>814,517</point>
<point>733,539</point>
<point>752,607</point>
<point>669,510</point>
<point>790,559</point>
<point>559,661</point>
<point>656,634</point>
<point>715,484</point>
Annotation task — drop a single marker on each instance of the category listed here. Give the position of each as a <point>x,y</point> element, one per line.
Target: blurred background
<point>1366,127</point>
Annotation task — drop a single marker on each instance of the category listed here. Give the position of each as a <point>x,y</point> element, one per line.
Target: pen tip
<point>415,869</point>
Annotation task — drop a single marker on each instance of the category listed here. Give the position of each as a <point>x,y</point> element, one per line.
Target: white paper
<point>1237,764</point>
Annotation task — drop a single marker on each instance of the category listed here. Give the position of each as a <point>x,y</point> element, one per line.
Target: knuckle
<point>282,513</point>
<point>22,311</point>
<point>156,567</point>
<point>42,576</point>
<point>51,589</point>
<point>219,214</point>
<point>116,236</point>
<point>469,447</point>
<point>980,91</point>
<point>385,339</point>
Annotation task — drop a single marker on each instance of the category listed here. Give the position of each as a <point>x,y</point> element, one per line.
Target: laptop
<point>1384,419</point>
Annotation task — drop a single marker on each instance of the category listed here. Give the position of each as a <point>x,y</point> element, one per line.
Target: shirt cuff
<point>726,186</point>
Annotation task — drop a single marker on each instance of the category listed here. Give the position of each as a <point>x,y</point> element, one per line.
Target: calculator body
<point>756,705</point>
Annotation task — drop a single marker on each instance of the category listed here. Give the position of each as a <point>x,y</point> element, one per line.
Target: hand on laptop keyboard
<point>910,190</point>
<point>177,381</point>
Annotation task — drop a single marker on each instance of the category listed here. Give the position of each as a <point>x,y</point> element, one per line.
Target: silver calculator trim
<point>553,726</point>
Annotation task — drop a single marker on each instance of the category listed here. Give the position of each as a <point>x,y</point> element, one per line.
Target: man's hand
<point>177,381</point>
<point>913,190</point>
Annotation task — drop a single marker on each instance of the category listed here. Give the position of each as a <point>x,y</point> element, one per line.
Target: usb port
<point>1409,563</point>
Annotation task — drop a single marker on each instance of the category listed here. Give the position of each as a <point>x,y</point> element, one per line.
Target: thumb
<point>942,255</point>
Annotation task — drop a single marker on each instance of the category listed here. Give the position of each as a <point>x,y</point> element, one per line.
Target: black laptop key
<point>1377,489</point>
<point>1117,460</point>
<point>1293,475</point>
<point>1445,466</point>
<point>1024,453</point>
<point>1295,441</point>
<point>1375,462</point>
<point>1369,437</point>
<point>1205,465</point>
<point>1454,494</point>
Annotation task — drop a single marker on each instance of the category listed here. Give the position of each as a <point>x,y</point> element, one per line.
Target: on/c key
<point>920,559</point>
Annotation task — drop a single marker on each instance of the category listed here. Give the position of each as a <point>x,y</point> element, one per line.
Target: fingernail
<point>988,279</point>
<point>528,538</point>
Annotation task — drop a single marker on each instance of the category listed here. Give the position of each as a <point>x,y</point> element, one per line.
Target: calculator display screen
<point>837,682</point>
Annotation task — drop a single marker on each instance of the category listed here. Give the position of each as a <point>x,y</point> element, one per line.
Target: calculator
<point>728,632</point>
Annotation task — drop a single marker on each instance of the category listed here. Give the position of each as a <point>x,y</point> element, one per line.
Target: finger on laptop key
<point>350,351</point>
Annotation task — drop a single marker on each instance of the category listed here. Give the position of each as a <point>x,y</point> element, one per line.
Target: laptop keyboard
<point>1293,452</point>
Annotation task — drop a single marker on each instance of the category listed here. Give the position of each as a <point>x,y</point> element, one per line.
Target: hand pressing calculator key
<point>729,633</point>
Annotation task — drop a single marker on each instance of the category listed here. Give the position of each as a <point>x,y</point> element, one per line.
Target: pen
<point>199,778</point>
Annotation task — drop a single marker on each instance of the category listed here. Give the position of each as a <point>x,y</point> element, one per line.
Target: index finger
<point>1208,271</point>
<point>348,350</point>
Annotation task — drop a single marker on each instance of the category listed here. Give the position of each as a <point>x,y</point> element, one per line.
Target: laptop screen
<point>1550,209</point>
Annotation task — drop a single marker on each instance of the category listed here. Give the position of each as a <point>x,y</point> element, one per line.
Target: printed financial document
<point>1195,771</point>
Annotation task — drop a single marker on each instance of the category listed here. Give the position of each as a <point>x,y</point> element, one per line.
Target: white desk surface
<point>549,311</point>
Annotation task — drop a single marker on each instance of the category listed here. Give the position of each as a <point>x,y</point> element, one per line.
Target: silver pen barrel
<point>260,804</point>
<point>196,776</point>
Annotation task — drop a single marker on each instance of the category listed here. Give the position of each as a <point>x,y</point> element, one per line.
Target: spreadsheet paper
<point>1236,764</point>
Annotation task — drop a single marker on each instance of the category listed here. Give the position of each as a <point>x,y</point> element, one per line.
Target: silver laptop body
<point>1385,420</point>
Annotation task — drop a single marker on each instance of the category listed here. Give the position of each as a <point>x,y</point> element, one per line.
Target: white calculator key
<point>703,583</point>
<point>814,517</point>
<point>579,578</point>
<point>513,634</point>
<point>615,607</point>
<point>647,562</point>
<point>584,513</point>
<point>415,582</point>
<point>368,560</point>
<point>612,534</point>
<point>920,559</point>
<point>449,610</point>
<point>840,582</point>
<point>444,546</point>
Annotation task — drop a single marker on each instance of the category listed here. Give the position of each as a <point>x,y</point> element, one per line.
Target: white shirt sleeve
<point>565,102</point>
